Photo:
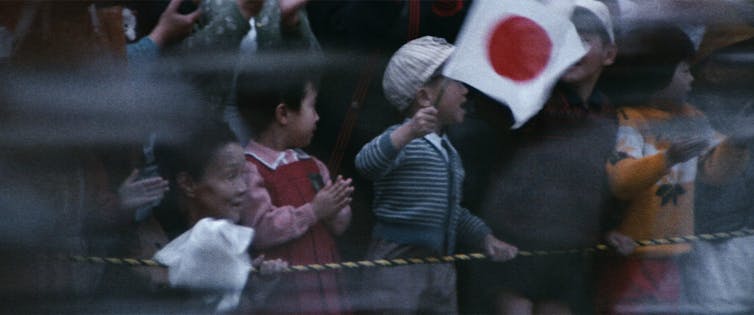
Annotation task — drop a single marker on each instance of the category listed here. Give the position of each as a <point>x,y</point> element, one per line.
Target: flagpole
<point>442,92</point>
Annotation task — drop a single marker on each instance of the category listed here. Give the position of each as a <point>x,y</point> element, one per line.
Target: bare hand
<point>172,25</point>
<point>424,122</point>
<point>333,197</point>
<point>289,17</point>
<point>249,8</point>
<point>267,267</point>
<point>135,193</point>
<point>499,250</point>
<point>686,149</point>
<point>622,243</point>
<point>741,126</point>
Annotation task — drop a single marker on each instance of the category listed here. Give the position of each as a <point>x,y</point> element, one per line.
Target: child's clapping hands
<point>332,198</point>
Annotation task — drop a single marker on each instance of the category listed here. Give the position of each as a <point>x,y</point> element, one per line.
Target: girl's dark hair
<point>647,58</point>
<point>267,81</point>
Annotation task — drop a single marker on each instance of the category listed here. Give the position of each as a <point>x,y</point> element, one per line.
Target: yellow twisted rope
<point>435,260</point>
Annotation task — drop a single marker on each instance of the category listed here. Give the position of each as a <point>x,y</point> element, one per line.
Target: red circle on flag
<point>519,48</point>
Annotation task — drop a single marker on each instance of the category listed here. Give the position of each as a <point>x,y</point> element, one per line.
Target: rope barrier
<point>436,260</point>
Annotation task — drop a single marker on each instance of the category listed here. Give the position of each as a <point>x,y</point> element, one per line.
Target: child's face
<point>220,193</point>
<point>588,69</point>
<point>450,107</point>
<point>303,122</point>
<point>680,86</point>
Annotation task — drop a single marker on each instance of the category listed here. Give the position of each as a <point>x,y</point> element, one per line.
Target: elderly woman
<point>194,230</point>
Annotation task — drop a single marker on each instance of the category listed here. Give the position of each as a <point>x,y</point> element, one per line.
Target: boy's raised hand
<point>333,197</point>
<point>498,250</point>
<point>422,123</point>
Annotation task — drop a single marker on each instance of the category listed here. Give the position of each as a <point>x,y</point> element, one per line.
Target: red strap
<point>359,94</point>
<point>414,17</point>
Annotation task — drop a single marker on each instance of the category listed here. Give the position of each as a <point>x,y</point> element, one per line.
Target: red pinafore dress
<point>295,184</point>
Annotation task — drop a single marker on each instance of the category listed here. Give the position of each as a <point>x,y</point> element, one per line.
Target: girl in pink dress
<point>296,209</point>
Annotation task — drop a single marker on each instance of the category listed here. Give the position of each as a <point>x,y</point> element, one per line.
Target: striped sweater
<point>417,194</point>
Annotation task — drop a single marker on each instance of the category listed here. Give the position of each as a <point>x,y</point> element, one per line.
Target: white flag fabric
<point>210,256</point>
<point>514,51</point>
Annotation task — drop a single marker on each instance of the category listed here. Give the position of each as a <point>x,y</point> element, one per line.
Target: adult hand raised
<point>173,26</point>
<point>135,193</point>
<point>289,17</point>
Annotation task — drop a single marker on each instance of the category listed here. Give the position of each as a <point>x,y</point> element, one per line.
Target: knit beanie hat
<point>411,67</point>
<point>603,14</point>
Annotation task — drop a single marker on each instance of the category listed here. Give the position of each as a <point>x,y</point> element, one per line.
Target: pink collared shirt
<point>275,225</point>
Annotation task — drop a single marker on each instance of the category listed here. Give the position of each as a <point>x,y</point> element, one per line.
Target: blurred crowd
<point>231,139</point>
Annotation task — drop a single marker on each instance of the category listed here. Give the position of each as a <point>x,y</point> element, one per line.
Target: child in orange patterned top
<point>662,147</point>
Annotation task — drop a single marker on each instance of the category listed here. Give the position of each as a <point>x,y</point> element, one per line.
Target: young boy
<point>417,178</point>
<point>296,210</point>
<point>548,187</point>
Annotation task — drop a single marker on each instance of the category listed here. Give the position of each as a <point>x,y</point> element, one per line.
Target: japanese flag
<point>515,51</point>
